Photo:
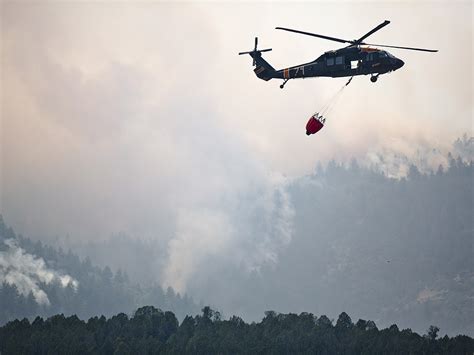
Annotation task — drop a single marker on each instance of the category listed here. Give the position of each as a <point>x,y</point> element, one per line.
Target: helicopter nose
<point>399,63</point>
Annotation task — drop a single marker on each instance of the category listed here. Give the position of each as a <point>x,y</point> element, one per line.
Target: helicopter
<point>358,58</point>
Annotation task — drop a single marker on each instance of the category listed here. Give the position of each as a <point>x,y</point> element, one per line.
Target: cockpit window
<point>373,56</point>
<point>330,61</point>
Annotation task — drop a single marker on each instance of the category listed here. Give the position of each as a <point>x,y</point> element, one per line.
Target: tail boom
<point>263,69</point>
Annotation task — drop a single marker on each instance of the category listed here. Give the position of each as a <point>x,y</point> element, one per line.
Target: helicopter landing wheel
<point>374,78</point>
<point>284,82</point>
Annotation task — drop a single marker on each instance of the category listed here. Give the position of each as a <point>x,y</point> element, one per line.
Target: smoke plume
<point>28,272</point>
<point>246,231</point>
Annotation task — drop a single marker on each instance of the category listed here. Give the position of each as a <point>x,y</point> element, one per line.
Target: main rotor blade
<point>383,24</point>
<point>314,35</point>
<point>410,48</point>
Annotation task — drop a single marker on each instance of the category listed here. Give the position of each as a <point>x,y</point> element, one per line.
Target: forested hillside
<point>151,330</point>
<point>393,250</point>
<point>32,283</point>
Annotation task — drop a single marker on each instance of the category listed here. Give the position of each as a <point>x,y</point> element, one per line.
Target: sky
<point>140,117</point>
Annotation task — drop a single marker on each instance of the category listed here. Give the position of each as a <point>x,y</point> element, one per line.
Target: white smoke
<point>395,157</point>
<point>272,213</point>
<point>427,294</point>
<point>26,272</point>
<point>396,163</point>
<point>248,231</point>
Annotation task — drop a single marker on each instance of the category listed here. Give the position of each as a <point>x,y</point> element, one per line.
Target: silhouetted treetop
<point>151,330</point>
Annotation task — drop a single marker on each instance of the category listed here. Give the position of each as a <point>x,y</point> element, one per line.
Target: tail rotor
<point>256,52</point>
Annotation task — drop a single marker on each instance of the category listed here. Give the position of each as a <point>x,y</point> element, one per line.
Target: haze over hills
<point>395,250</point>
<point>39,280</point>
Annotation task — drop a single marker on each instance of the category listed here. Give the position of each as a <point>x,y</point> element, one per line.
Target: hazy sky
<point>142,118</point>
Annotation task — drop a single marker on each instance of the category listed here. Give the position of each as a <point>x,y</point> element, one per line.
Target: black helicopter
<point>355,59</point>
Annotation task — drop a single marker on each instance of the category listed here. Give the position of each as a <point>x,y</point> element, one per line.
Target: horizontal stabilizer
<point>257,51</point>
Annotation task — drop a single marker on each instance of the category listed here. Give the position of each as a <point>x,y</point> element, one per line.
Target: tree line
<point>151,331</point>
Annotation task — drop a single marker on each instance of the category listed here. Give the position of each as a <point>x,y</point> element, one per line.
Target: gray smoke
<point>395,157</point>
<point>249,231</point>
<point>27,272</point>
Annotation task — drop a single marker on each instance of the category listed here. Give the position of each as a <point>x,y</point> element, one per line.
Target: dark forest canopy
<point>151,330</point>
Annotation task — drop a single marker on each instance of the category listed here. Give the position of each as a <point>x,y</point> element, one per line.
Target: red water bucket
<point>313,125</point>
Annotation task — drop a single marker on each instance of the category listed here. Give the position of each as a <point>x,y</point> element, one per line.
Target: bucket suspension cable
<point>333,100</point>
<point>330,103</point>
<point>333,103</point>
<point>318,120</point>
